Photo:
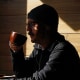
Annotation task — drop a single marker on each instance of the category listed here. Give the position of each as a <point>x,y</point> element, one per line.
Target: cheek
<point>35,27</point>
<point>35,30</point>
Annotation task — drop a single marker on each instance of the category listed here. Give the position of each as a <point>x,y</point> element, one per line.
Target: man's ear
<point>47,28</point>
<point>36,27</point>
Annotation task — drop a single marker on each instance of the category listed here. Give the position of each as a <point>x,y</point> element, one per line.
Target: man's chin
<point>32,41</point>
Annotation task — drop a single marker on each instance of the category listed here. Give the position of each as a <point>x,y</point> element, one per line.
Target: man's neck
<point>44,44</point>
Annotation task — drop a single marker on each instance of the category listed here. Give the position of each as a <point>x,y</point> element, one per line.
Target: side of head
<point>45,14</point>
<point>47,19</point>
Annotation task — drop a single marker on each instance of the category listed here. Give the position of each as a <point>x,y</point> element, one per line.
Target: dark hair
<point>45,14</point>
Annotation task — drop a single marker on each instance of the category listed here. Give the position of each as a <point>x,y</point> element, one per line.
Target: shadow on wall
<point>69,11</point>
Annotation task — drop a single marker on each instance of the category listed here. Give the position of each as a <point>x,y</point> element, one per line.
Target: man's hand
<point>14,48</point>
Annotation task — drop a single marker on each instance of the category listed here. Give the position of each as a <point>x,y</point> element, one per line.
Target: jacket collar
<point>49,48</point>
<point>52,45</point>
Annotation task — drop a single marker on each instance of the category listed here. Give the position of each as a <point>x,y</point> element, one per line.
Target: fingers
<point>13,47</point>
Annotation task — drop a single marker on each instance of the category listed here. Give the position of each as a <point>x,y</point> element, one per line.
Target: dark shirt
<point>59,60</point>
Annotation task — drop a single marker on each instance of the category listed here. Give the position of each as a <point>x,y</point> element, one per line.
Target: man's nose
<point>27,28</point>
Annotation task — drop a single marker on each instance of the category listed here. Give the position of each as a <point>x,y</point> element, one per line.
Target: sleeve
<point>23,66</point>
<point>18,62</point>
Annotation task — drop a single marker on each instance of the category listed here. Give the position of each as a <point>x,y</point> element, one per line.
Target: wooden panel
<point>69,23</point>
<point>13,7</point>
<point>5,64</point>
<point>75,40</point>
<point>12,18</point>
<point>64,6</point>
<point>12,23</point>
<point>4,44</point>
<point>29,46</point>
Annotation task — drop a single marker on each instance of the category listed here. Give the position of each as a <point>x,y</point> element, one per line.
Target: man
<point>53,57</point>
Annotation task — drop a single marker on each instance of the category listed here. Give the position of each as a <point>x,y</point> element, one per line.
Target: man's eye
<point>30,24</point>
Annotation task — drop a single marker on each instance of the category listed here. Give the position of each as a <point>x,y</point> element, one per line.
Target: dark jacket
<point>59,60</point>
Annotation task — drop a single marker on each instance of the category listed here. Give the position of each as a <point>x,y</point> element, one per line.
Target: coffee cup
<point>17,38</point>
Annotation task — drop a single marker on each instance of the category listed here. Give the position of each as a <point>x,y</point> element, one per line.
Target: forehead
<point>29,20</point>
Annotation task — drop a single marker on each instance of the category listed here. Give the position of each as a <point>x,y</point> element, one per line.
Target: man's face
<point>32,29</point>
